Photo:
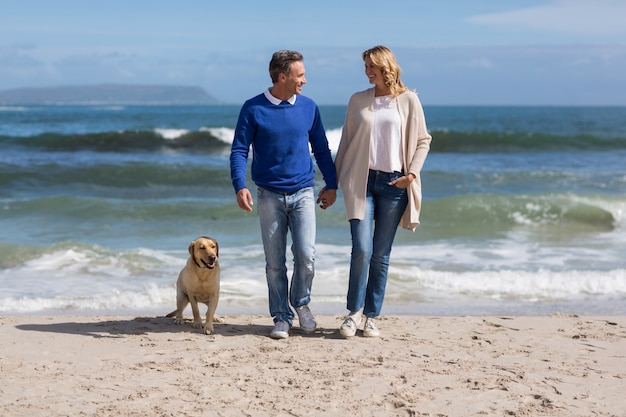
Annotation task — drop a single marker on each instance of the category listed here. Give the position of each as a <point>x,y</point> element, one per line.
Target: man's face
<point>295,80</point>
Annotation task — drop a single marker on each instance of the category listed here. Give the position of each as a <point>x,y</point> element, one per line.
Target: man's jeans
<point>372,239</point>
<point>278,213</point>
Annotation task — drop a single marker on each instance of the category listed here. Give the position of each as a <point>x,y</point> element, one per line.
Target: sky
<point>452,52</point>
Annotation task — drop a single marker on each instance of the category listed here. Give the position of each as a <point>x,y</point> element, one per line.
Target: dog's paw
<point>217,319</point>
<point>179,320</point>
<point>208,330</point>
<point>197,324</point>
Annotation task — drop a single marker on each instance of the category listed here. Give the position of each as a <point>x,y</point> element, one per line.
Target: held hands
<point>244,199</point>
<point>326,198</point>
<point>403,182</point>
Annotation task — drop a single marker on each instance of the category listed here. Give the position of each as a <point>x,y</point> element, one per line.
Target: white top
<point>385,147</point>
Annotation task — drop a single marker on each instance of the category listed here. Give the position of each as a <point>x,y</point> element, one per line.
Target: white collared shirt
<point>277,101</point>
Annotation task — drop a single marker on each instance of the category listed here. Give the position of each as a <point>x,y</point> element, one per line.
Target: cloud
<point>488,75</point>
<point>16,63</point>
<point>517,75</point>
<point>599,17</point>
<point>478,62</point>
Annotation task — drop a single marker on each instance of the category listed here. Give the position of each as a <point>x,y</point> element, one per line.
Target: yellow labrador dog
<point>199,282</point>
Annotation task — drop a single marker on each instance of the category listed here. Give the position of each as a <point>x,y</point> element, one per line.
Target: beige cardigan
<point>352,160</point>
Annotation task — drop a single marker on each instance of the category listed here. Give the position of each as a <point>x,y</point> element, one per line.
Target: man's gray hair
<point>281,63</point>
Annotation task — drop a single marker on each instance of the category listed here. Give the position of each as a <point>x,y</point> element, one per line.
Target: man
<point>279,125</point>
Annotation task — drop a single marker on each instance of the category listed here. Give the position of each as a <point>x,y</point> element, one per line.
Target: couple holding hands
<point>384,143</point>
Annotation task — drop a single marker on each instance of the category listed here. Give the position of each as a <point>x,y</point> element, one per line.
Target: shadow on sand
<point>148,325</point>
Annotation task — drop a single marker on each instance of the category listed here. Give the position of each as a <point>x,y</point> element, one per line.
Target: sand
<point>420,366</point>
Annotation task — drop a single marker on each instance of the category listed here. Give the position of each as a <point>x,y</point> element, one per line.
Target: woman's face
<point>373,73</point>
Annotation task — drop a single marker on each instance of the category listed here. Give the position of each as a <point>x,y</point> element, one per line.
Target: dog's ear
<point>191,245</point>
<point>217,248</point>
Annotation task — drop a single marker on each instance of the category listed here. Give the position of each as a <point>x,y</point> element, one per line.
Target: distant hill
<point>108,94</point>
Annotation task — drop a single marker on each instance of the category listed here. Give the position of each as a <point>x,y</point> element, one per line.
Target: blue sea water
<point>524,213</point>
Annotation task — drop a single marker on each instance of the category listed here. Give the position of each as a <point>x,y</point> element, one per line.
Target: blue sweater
<point>280,136</point>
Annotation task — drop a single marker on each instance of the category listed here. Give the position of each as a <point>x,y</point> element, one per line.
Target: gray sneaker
<point>280,330</point>
<point>306,319</point>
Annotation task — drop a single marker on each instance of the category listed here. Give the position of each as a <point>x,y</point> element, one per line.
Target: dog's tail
<point>172,314</point>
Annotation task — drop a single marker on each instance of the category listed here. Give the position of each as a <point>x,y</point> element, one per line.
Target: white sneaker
<point>370,329</point>
<point>280,330</point>
<point>349,325</point>
<point>306,319</point>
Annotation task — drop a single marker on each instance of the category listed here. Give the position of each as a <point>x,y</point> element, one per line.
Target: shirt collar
<point>277,101</point>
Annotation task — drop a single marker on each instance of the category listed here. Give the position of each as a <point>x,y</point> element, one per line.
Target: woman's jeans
<point>278,213</point>
<point>372,239</point>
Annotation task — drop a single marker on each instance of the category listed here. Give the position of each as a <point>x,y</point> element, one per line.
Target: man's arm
<point>239,160</point>
<point>322,154</point>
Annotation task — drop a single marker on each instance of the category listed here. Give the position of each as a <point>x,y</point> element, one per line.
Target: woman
<point>383,147</point>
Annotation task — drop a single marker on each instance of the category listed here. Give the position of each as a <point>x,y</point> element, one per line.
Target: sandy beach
<point>420,366</point>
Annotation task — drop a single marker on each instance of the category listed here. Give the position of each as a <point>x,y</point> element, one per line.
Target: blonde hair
<point>384,59</point>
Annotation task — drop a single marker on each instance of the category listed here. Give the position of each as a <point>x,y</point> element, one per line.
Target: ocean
<point>523,213</point>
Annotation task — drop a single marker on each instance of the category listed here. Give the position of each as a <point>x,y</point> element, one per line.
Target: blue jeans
<point>372,239</point>
<point>279,213</point>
